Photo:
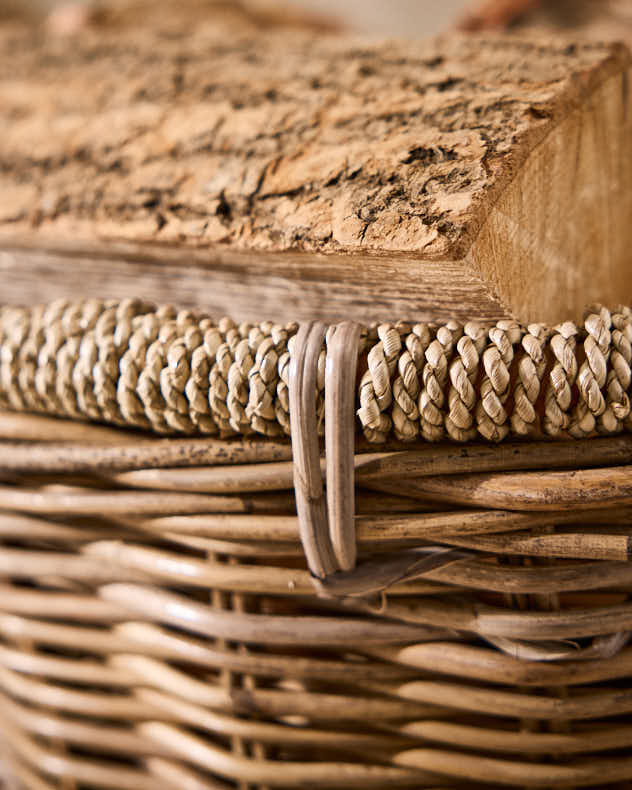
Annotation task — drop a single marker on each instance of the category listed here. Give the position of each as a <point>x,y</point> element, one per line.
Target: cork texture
<point>276,140</point>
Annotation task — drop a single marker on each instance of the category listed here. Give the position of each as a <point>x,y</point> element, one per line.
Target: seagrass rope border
<point>156,368</point>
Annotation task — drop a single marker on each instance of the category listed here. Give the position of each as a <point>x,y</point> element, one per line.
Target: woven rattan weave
<point>166,623</point>
<point>129,363</point>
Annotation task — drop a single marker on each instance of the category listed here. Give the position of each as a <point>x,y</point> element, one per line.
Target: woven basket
<point>197,611</point>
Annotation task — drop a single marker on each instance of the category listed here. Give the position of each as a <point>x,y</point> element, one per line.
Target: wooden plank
<point>346,179</point>
<point>281,286</point>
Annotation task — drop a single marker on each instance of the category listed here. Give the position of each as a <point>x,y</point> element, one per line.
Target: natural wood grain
<point>348,179</point>
<point>286,286</point>
<point>576,490</point>
<point>223,467</point>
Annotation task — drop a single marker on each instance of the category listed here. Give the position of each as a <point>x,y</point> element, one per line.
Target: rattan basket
<point>451,610</point>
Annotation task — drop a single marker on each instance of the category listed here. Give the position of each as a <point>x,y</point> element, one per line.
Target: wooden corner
<point>293,175</point>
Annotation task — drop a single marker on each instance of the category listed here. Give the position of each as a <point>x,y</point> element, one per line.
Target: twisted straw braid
<point>129,363</point>
<point>530,375</point>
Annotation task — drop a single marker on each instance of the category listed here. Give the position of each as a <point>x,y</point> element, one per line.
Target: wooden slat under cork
<point>295,175</point>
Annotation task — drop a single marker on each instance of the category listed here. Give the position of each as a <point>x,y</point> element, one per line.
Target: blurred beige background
<point>412,18</point>
<point>392,17</point>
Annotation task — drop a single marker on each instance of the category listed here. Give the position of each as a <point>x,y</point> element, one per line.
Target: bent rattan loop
<point>328,535</point>
<point>340,374</point>
<point>158,624</point>
<point>308,484</point>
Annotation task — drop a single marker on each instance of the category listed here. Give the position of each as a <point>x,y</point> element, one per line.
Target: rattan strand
<point>158,630</point>
<point>128,363</point>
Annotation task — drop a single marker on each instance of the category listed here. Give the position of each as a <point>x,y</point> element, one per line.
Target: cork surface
<point>276,141</point>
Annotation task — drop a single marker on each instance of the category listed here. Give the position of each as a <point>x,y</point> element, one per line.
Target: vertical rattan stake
<point>308,483</point>
<point>328,530</point>
<point>340,380</point>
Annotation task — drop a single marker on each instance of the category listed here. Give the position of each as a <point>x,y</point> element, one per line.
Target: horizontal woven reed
<point>160,627</point>
<point>129,363</point>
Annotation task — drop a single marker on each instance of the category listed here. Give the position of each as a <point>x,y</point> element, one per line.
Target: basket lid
<point>291,174</point>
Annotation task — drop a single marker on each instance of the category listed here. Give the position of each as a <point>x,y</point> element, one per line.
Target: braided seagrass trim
<point>156,368</point>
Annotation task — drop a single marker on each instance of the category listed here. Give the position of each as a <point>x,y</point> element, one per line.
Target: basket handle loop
<point>308,483</point>
<point>326,527</point>
<point>327,524</point>
<point>341,365</point>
